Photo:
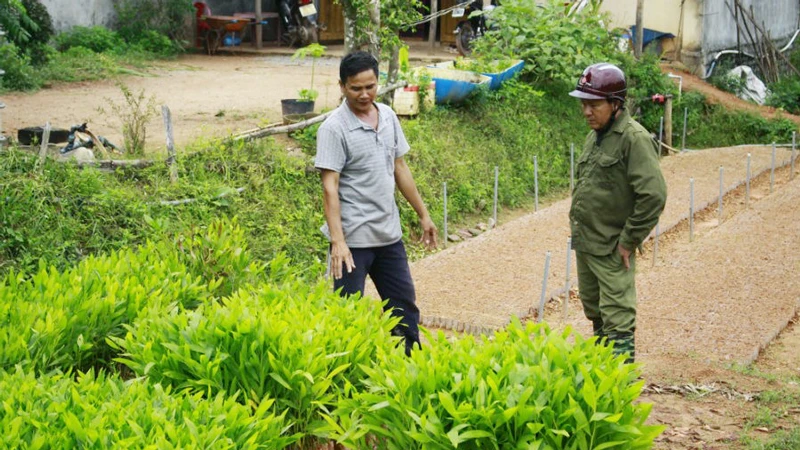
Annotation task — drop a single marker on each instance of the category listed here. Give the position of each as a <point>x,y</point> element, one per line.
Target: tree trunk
<point>373,39</point>
<point>394,69</point>
<point>351,44</point>
<point>394,65</point>
<point>355,38</point>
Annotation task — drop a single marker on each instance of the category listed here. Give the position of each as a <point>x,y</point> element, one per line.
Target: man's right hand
<point>341,257</point>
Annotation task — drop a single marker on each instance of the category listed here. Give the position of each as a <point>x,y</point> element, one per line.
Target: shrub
<point>137,18</point>
<point>134,115</point>
<point>80,64</point>
<point>711,125</point>
<point>729,83</point>
<point>554,46</point>
<point>61,320</point>
<point>785,94</point>
<point>527,387</point>
<point>157,44</point>
<point>20,74</point>
<point>299,344</point>
<point>102,411</point>
<point>97,39</point>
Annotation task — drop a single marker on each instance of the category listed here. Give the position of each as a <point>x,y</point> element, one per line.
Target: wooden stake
<point>668,120</point>
<point>434,24</point>
<point>259,28</point>
<point>637,52</point>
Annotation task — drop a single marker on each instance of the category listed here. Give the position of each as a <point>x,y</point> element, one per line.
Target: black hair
<point>355,63</point>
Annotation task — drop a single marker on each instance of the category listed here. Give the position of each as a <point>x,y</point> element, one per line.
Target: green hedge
<point>102,411</point>
<point>299,344</point>
<point>329,365</point>
<point>61,320</point>
<point>524,387</point>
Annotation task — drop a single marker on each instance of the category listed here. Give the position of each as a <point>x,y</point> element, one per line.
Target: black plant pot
<point>294,106</point>
<point>29,135</point>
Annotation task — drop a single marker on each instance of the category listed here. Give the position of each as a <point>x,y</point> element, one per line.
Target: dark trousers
<point>388,268</point>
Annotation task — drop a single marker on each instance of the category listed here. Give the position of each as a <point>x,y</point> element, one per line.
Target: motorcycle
<point>299,22</point>
<point>472,26</point>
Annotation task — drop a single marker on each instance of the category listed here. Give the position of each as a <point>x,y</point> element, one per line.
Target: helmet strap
<point>617,108</point>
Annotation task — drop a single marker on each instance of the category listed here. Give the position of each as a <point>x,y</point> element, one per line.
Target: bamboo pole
<point>768,43</point>
<point>668,120</point>
<point>111,164</point>
<point>269,131</point>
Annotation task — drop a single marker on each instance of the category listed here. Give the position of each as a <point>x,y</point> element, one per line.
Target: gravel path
<point>719,298</point>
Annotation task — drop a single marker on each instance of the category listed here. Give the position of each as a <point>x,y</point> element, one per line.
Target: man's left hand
<point>626,256</point>
<point>429,233</point>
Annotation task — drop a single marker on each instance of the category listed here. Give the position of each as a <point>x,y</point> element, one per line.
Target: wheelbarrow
<point>218,27</point>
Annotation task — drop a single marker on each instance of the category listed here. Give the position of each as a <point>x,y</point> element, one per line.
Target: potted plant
<point>419,92</point>
<point>304,104</point>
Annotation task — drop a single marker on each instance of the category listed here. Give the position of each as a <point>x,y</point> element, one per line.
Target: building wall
<point>780,16</point>
<point>69,13</point>
<point>228,7</point>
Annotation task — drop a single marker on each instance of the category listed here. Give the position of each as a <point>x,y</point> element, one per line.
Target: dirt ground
<point>717,311</point>
<point>207,96</point>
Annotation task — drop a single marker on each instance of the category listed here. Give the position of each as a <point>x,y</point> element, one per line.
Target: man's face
<point>597,112</point>
<point>360,91</point>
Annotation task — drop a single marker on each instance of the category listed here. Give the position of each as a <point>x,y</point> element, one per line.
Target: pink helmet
<point>601,81</point>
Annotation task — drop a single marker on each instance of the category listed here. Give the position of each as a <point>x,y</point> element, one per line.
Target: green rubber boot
<point>624,344</point>
<point>597,326</point>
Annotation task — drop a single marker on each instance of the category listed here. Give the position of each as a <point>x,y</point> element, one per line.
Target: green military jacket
<point>619,190</point>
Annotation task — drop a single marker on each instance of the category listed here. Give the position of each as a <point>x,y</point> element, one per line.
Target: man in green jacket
<point>618,197</point>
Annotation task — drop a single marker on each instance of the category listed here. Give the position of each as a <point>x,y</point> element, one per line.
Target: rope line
<point>430,17</point>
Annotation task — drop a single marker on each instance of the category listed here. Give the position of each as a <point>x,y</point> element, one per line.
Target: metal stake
<point>536,183</point>
<point>445,213</point>
<point>772,171</point>
<point>571,167</point>
<point>683,139</point>
<point>494,209</point>
<point>747,190</point>
<point>721,190</point>
<point>661,137</point>
<point>791,174</point>
<point>544,287</point>
<point>691,209</point>
<point>566,285</point>
<point>2,137</point>
<point>655,244</point>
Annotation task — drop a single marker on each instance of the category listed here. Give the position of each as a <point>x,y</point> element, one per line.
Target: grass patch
<point>782,440</point>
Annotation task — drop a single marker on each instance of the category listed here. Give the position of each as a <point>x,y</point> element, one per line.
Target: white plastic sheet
<point>755,89</point>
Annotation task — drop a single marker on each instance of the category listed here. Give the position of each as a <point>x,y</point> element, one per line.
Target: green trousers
<point>608,294</point>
